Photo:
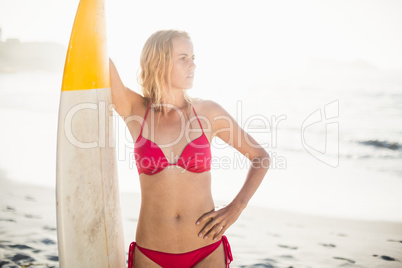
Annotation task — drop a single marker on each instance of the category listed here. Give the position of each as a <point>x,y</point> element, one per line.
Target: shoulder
<point>209,108</point>
<point>214,115</point>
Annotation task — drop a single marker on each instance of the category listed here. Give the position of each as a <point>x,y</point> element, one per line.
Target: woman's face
<point>182,74</point>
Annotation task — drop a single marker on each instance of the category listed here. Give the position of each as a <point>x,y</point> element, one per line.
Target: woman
<point>178,224</point>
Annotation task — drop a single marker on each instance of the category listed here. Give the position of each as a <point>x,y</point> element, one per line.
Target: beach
<point>261,237</point>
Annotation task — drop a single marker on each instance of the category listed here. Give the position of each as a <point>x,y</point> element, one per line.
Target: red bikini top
<point>149,158</point>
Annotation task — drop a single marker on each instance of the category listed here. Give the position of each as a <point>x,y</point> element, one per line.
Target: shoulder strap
<point>198,120</point>
<point>145,118</point>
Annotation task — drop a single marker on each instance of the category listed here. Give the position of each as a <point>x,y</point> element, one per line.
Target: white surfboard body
<point>89,222</point>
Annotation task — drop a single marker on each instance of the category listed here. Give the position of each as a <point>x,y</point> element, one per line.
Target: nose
<point>192,65</point>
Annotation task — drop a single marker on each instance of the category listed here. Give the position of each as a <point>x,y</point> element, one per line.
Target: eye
<point>182,58</point>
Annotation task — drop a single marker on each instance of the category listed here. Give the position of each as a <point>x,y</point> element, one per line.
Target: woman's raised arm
<point>123,98</point>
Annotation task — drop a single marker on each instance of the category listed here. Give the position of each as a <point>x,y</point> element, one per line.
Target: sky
<point>230,37</point>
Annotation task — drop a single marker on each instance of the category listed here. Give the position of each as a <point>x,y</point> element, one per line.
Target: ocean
<point>334,136</point>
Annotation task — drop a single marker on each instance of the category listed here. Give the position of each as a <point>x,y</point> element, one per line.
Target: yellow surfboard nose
<point>87,62</point>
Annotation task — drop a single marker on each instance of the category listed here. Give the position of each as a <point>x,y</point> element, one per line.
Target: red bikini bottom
<point>181,260</point>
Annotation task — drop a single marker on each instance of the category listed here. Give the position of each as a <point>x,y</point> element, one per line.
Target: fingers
<point>207,229</point>
<point>207,216</point>
<point>215,223</point>
<point>212,229</point>
<point>219,232</point>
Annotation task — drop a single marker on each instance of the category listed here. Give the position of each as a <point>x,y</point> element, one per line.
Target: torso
<point>173,199</point>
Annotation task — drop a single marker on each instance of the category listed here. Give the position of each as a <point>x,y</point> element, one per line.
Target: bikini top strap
<point>145,118</point>
<point>198,120</point>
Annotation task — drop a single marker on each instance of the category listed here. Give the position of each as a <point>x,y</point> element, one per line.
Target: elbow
<point>266,161</point>
<point>262,161</point>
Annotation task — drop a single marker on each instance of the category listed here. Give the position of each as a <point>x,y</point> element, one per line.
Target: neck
<point>174,100</point>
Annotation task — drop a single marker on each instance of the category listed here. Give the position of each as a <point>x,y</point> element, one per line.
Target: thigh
<point>141,261</point>
<point>215,259</point>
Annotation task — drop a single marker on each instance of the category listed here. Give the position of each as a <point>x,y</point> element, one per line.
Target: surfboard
<point>89,222</point>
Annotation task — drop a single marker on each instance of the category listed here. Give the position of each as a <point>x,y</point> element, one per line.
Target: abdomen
<point>172,201</point>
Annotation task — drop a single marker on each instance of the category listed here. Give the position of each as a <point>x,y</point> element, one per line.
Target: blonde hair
<point>156,63</point>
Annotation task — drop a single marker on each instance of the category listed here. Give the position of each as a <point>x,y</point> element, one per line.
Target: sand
<point>261,237</point>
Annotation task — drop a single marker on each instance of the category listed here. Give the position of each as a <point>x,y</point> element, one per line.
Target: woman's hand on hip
<point>215,222</point>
